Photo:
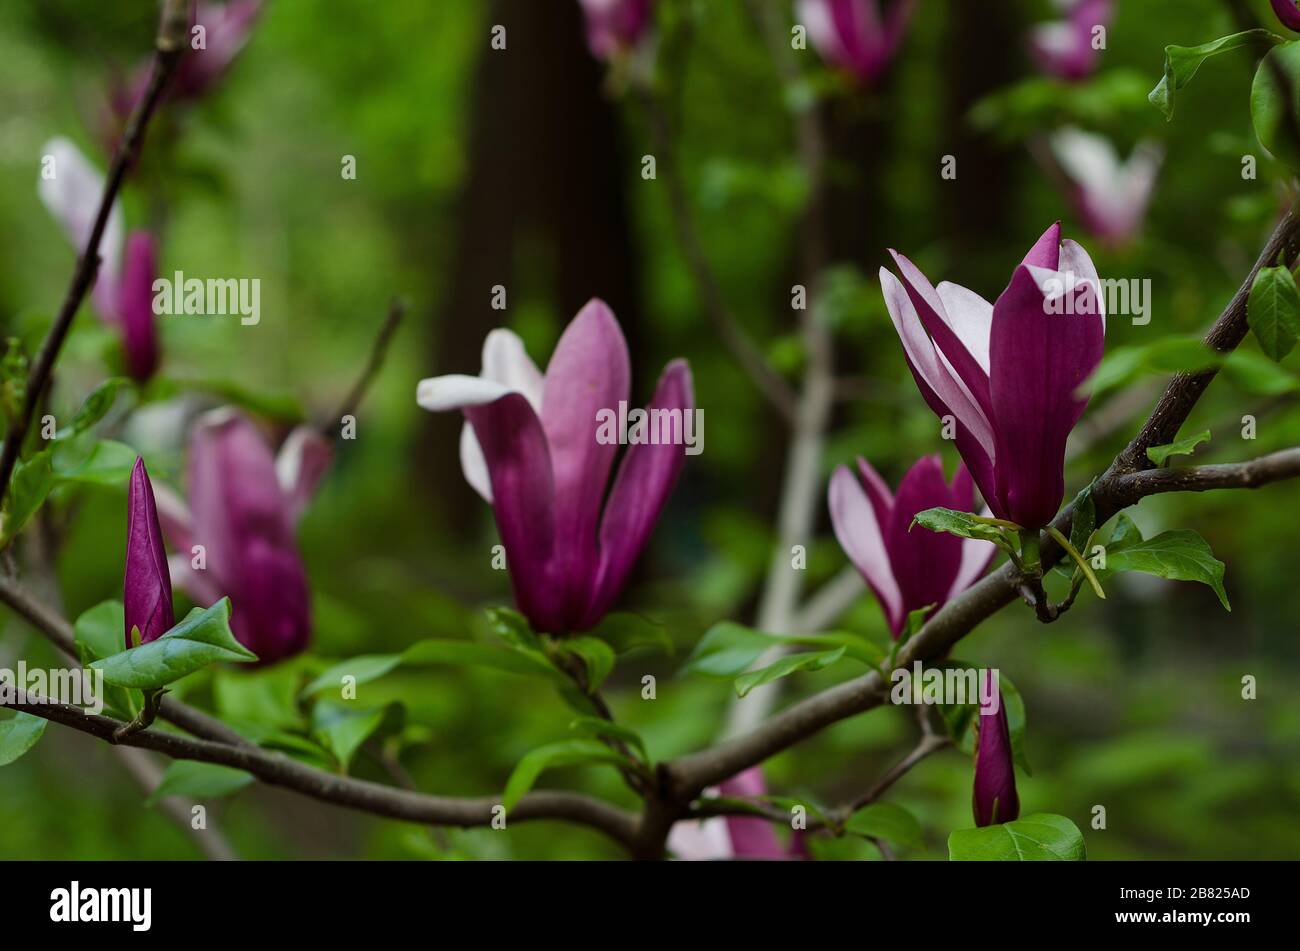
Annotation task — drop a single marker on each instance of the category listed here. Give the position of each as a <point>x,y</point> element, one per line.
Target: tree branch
<point>396,312</point>
<point>1239,475</point>
<point>169,48</point>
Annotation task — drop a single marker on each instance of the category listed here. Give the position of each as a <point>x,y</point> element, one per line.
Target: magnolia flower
<point>907,570</point>
<point>1110,195</point>
<point>1010,372</point>
<point>226,29</point>
<point>732,837</point>
<point>530,448</point>
<point>852,34</point>
<point>146,584</point>
<point>615,27</point>
<point>994,798</point>
<point>1288,12</point>
<point>1064,48</point>
<point>123,294</point>
<point>244,506</point>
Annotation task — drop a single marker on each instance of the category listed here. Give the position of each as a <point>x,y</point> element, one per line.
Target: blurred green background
<point>522,167</point>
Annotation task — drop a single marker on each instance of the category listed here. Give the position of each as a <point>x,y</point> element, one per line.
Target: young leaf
<point>885,820</point>
<point>1273,311</point>
<point>808,660</point>
<point>564,753</point>
<point>204,637</point>
<point>342,727</point>
<point>599,727</point>
<point>625,632</point>
<point>727,650</point>
<point>1041,837</point>
<point>1180,555</point>
<point>362,669</point>
<point>596,656</point>
<point>98,633</point>
<point>1083,520</point>
<point>1182,62</point>
<point>105,462</point>
<point>1125,533</point>
<point>198,780</point>
<point>513,628</point>
<point>18,735</point>
<point>95,407</point>
<point>31,483</point>
<point>1273,98</point>
<point>1180,447</point>
<point>962,523</point>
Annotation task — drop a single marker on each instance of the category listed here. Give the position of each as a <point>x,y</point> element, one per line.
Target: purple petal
<point>589,372</point>
<point>1046,251</point>
<point>523,493</point>
<point>301,463</point>
<point>227,27</point>
<point>147,585</point>
<point>924,562</point>
<point>615,26</point>
<point>139,324</point>
<point>995,799</point>
<point>645,478</point>
<point>861,535</point>
<point>1038,361</point>
<point>1288,13</point>
<point>751,838</point>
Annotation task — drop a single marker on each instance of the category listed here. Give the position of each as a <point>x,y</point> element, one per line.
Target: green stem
<point>1029,552</point>
<point>1078,560</point>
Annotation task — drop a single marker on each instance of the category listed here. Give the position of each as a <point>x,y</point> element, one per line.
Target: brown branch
<point>278,770</point>
<point>396,312</point>
<point>169,48</point>
<point>1238,475</point>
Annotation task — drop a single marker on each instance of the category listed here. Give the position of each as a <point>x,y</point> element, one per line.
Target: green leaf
<point>1180,447</point>
<point>963,524</point>
<point>565,753</point>
<point>95,407</point>
<point>597,726</point>
<point>277,406</point>
<point>1182,62</point>
<point>1083,520</point>
<point>342,727</point>
<point>196,780</point>
<point>362,669</point>
<point>1254,373</point>
<point>885,820</point>
<point>726,650</point>
<point>474,654</point>
<point>787,665</point>
<point>1180,555</point>
<point>1274,95</point>
<point>1125,533</point>
<point>626,632</point>
<point>1041,837</point>
<point>31,483</point>
<point>105,463</point>
<point>264,701</point>
<point>1273,311</point>
<point>513,628</point>
<point>18,735</point>
<point>204,637</point>
<point>1166,355</point>
<point>99,633</point>
<point>596,656</point>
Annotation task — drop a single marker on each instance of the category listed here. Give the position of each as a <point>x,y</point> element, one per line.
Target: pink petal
<point>860,535</point>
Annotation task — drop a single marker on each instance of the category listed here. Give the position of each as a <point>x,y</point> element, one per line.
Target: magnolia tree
<point>578,461</point>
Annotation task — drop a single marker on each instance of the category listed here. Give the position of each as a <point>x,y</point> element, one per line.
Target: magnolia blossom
<point>907,570</point>
<point>1288,12</point>
<point>146,584</point>
<point>530,448</point>
<point>123,294</point>
<point>244,505</point>
<point>1064,48</point>
<point>994,797</point>
<point>1110,195</point>
<point>733,837</point>
<point>1008,373</point>
<point>853,35</point>
<point>615,27</point>
<point>226,29</point>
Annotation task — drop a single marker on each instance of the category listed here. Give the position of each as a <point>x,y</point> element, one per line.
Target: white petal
<point>701,840</point>
<point>1089,160</point>
<point>970,317</point>
<point>300,465</point>
<point>72,197</point>
<point>440,393</point>
<point>506,361</point>
<point>863,540</point>
<point>473,464</point>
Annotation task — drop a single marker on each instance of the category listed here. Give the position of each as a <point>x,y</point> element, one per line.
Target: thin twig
<point>349,406</point>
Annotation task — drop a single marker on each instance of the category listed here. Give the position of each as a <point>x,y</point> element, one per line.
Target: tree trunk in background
<point>982,47</point>
<point>544,210</point>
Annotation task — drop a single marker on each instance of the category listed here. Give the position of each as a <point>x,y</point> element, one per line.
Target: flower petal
<point>301,463</point>
<point>645,478</point>
<point>588,372</point>
<point>751,837</point>
<point>135,307</point>
<point>924,563</point>
<point>860,535</point>
<point>994,796</point>
<point>146,585</point>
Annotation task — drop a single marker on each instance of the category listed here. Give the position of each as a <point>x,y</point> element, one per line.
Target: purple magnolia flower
<point>243,509</point>
<point>906,570</point>
<point>994,798</point>
<point>1063,48</point>
<point>852,34</point>
<point>733,837</point>
<point>226,29</point>
<point>615,27</point>
<point>147,584</point>
<point>123,295</point>
<point>531,448</point>
<point>1110,195</point>
<point>1010,372</point>
<point>1288,12</point>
